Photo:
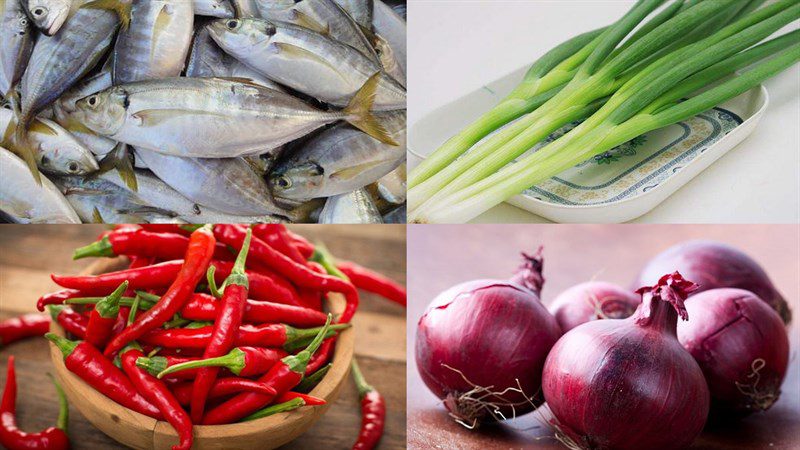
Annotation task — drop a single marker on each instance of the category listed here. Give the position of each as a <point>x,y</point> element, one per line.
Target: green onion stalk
<point>653,86</point>
<point>596,138</point>
<point>603,72</point>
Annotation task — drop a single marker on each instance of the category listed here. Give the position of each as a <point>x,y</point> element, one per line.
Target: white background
<point>456,47</point>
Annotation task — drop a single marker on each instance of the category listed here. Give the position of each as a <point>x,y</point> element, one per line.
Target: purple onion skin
<point>627,383</point>
<point>715,265</point>
<point>494,332</point>
<point>592,300</point>
<point>731,334</point>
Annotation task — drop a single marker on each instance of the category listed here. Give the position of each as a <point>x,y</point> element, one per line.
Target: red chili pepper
<point>301,244</point>
<point>299,274</point>
<point>57,298</point>
<point>198,256</point>
<point>166,228</point>
<point>155,276</point>
<point>222,387</point>
<point>138,242</point>
<point>204,307</point>
<point>12,438</point>
<point>240,361</point>
<point>263,286</point>
<point>85,361</point>
<point>322,356</point>
<point>374,282</point>
<point>373,412</point>
<point>159,394</point>
<point>276,235</point>
<point>311,380</point>
<point>226,328</point>
<point>308,399</point>
<point>283,376</point>
<point>267,335</point>
<point>28,325</point>
<point>103,317</point>
<point>71,321</point>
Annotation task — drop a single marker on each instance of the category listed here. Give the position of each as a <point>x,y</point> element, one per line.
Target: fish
<point>390,27</point>
<point>156,43</point>
<point>49,15</point>
<point>206,58</point>
<point>339,160</point>
<point>212,117</point>
<point>243,71</point>
<point>221,9</point>
<point>153,191</point>
<point>323,16</point>
<point>245,8</point>
<point>354,207</point>
<point>16,38</point>
<point>229,184</point>
<point>389,61</point>
<point>392,188</point>
<point>360,10</point>
<point>60,61</point>
<point>25,201</point>
<point>306,61</point>
<point>56,150</point>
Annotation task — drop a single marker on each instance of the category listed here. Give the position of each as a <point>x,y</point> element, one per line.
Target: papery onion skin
<point>592,300</point>
<point>715,265</point>
<point>494,334</point>
<point>628,383</point>
<point>741,346</point>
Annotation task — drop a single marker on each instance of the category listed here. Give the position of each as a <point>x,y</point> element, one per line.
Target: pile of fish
<point>202,111</point>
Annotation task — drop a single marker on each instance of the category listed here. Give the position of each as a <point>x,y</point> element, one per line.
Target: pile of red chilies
<point>208,325</point>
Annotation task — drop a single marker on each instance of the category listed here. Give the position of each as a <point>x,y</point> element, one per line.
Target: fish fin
<point>162,22</point>
<point>40,127</point>
<point>243,80</point>
<point>359,115</point>
<point>119,159</point>
<point>121,7</point>
<point>153,117</point>
<point>96,216</point>
<point>74,126</point>
<point>296,52</point>
<point>352,172</point>
<point>21,145</point>
<point>306,21</point>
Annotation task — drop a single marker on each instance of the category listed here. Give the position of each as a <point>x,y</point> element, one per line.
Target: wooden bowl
<point>139,431</point>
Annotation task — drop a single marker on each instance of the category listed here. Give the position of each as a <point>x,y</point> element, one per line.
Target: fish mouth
<point>52,23</point>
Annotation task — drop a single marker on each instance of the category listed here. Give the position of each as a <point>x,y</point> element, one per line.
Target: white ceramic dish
<point>625,182</point>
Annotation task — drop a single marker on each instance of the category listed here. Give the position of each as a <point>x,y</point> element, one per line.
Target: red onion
<point>715,265</point>
<point>591,301</point>
<point>627,383</point>
<point>481,346</point>
<point>741,346</point>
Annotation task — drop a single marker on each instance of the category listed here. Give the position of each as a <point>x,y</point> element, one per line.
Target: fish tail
<point>359,113</point>
<point>121,7</point>
<point>16,136</point>
<point>119,159</point>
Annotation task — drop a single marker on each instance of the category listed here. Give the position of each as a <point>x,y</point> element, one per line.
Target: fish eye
<point>232,24</point>
<point>45,160</point>
<point>284,182</point>
<point>72,166</point>
<point>92,101</point>
<point>39,11</point>
<point>23,22</point>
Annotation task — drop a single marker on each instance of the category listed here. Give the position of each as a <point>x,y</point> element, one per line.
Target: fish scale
<point>17,42</point>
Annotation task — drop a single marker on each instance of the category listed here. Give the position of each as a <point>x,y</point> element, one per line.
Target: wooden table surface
<point>29,253</point>
<point>441,256</point>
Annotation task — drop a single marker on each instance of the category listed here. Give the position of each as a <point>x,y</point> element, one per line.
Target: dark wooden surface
<point>29,254</point>
<point>441,256</point>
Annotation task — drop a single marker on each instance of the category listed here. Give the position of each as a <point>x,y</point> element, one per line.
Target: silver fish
<point>360,10</point>
<point>339,160</point>
<point>210,117</point>
<point>306,61</point>
<point>391,28</point>
<point>156,43</point>
<point>393,188</point>
<point>59,61</point>
<point>389,61</point>
<point>16,44</point>
<point>322,16</point>
<point>56,150</point>
<point>206,58</point>
<point>241,70</point>
<point>153,191</point>
<point>49,15</point>
<point>221,9</point>
<point>353,207</point>
<point>245,8</point>
<point>228,184</point>
<point>25,201</point>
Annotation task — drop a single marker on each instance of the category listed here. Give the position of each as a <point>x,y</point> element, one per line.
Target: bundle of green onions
<point>687,58</point>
